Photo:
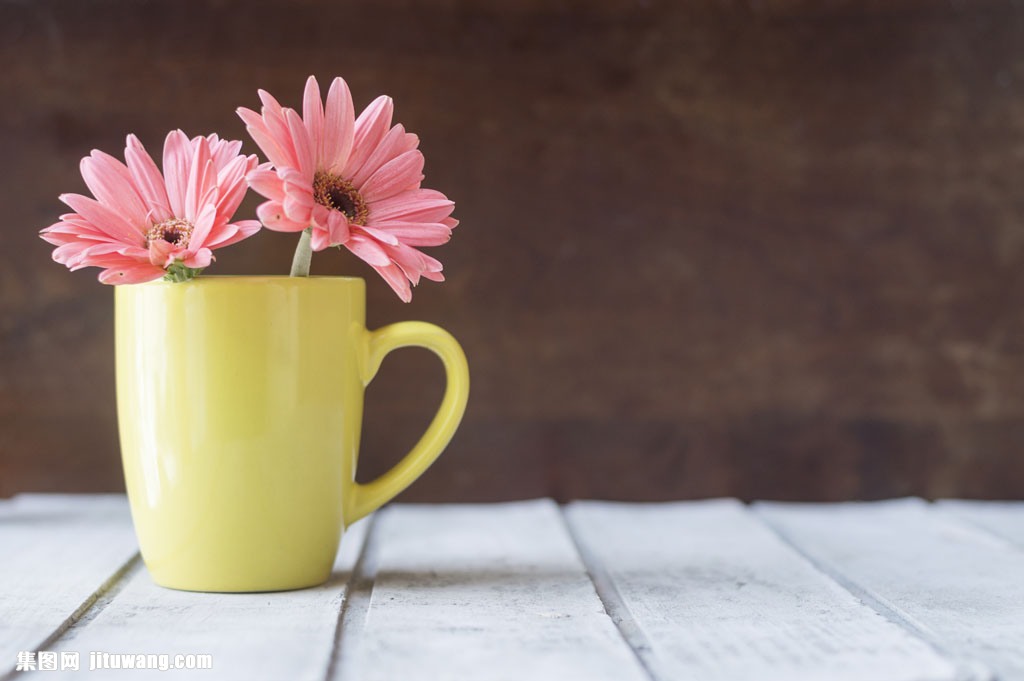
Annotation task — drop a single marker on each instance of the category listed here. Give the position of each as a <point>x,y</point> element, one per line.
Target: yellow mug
<point>239,403</point>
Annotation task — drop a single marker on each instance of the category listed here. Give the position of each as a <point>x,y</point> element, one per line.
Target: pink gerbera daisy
<point>143,225</point>
<point>351,182</point>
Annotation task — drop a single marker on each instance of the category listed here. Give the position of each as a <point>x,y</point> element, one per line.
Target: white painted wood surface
<point>955,585</point>
<point>1002,518</point>
<point>253,636</point>
<point>57,553</point>
<point>483,593</point>
<point>529,590</point>
<point>711,593</point>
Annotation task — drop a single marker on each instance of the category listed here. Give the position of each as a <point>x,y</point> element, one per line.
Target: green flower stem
<point>303,255</point>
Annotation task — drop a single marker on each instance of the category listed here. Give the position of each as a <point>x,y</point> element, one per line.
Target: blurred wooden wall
<point>771,248</point>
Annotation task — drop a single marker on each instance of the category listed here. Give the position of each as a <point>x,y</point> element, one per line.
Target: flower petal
<point>410,260</point>
<point>131,274</point>
<point>339,127</point>
<point>103,219</point>
<point>277,126</point>
<point>177,162</point>
<point>417,233</point>
<point>319,240</point>
<point>368,250</point>
<point>379,235</point>
<point>424,205</point>
<point>304,151</point>
<point>202,180</point>
<point>223,152</point>
<point>72,227</point>
<point>415,264</point>
<point>234,232</point>
<point>81,254</point>
<point>338,227</point>
<point>267,143</point>
<point>371,126</point>
<point>200,259</point>
<point>148,179</point>
<point>313,118</point>
<point>397,175</point>
<point>231,184</point>
<point>395,143</point>
<point>295,181</point>
<point>270,103</point>
<point>204,223</point>
<point>321,215</point>
<point>70,253</point>
<point>160,253</point>
<point>397,280</point>
<point>265,181</point>
<point>298,207</point>
<point>110,182</point>
<point>272,215</point>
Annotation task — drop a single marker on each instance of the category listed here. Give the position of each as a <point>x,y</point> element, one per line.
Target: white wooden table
<point>533,591</point>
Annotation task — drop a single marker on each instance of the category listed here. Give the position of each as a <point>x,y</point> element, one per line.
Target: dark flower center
<point>173,231</point>
<point>335,192</point>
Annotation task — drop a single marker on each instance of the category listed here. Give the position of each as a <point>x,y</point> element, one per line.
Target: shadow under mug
<point>240,401</point>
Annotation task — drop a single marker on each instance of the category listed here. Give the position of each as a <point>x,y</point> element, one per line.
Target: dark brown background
<point>769,249</point>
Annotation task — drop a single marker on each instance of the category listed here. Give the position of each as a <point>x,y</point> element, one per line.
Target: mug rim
<point>275,278</point>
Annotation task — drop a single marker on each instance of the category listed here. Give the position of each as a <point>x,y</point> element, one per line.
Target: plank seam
<point>88,610</point>
<point>966,669</point>
<point>356,606</point>
<point>611,600</point>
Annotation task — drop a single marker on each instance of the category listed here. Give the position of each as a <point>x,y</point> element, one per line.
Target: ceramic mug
<point>240,401</point>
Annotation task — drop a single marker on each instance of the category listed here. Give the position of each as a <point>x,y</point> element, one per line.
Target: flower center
<point>173,231</point>
<point>337,193</point>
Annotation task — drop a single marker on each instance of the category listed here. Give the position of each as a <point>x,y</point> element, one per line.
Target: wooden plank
<point>705,590</point>
<point>482,592</point>
<point>272,636</point>
<point>1002,518</point>
<point>58,554</point>
<point>958,586</point>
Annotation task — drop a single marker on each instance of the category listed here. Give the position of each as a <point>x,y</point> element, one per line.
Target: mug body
<point>239,407</point>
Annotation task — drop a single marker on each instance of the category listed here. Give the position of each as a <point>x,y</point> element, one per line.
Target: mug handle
<point>365,499</point>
